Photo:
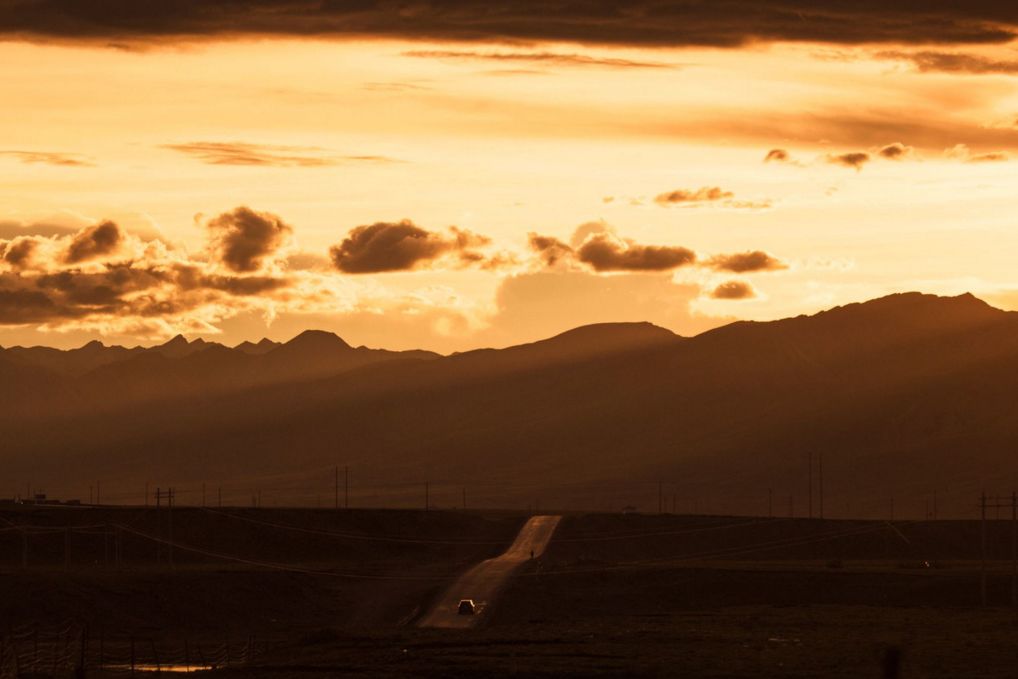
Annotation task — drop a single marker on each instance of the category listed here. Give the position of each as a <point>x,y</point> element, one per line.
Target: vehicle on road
<point>466,607</point>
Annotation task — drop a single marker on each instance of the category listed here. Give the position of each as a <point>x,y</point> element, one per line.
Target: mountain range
<point>907,401</point>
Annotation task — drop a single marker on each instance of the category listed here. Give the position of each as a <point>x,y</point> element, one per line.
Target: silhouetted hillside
<point>905,396</point>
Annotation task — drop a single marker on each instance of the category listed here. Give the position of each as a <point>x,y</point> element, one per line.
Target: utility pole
<point>821,471</point>
<point>170,501</point>
<point>159,524</point>
<point>810,501</point>
<point>1014,549</point>
<point>346,487</point>
<point>203,494</point>
<point>982,548</point>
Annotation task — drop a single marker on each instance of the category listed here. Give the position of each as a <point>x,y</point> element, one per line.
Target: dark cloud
<point>706,194</point>
<point>550,58</point>
<point>22,305</point>
<point>68,295</point>
<point>596,245</point>
<point>239,153</point>
<point>895,151</point>
<point>19,252</point>
<point>953,62</point>
<point>49,158</point>
<point>94,241</point>
<point>121,290</point>
<point>605,252</point>
<point>733,290</point>
<point>402,246</point>
<point>243,238</point>
<point>746,262</point>
<point>777,156</point>
<point>552,250</point>
<point>638,22</point>
<point>854,160</point>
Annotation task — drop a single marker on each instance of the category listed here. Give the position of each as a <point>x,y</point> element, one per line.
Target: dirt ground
<point>614,595</point>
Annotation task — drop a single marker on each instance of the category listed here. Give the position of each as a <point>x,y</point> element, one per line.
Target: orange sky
<point>645,165</point>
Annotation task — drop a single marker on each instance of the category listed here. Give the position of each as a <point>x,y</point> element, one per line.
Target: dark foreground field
<point>337,593</point>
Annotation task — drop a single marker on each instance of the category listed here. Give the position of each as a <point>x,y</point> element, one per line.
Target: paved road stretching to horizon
<point>483,582</point>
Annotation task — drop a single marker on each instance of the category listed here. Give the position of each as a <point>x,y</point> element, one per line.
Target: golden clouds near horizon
<point>888,168</point>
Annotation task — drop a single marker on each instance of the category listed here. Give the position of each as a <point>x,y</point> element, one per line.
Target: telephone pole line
<point>821,472</point>
<point>1014,549</point>
<point>982,548</point>
<point>810,500</point>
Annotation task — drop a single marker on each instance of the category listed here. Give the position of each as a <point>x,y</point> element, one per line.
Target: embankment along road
<point>483,582</point>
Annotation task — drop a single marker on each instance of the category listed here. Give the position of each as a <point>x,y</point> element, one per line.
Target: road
<point>483,582</point>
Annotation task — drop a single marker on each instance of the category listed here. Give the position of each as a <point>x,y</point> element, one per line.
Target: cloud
<point>95,241</point>
<point>240,153</point>
<point>551,250</point>
<point>854,160</point>
<point>896,151</point>
<point>243,239</point>
<point>551,58</point>
<point>706,194</point>
<point>777,156</point>
<point>18,253</point>
<point>607,252</point>
<point>50,158</point>
<point>733,290</point>
<point>953,62</point>
<point>404,246</point>
<point>655,23</point>
<point>596,245</point>
<point>746,262</point>
<point>68,282</point>
<point>964,154</point>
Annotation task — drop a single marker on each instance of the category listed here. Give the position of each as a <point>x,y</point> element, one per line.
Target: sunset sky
<point>439,176</point>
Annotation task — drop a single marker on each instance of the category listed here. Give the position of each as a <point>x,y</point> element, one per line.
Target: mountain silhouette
<point>903,396</point>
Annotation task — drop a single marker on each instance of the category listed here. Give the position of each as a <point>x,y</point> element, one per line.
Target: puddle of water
<point>143,667</point>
